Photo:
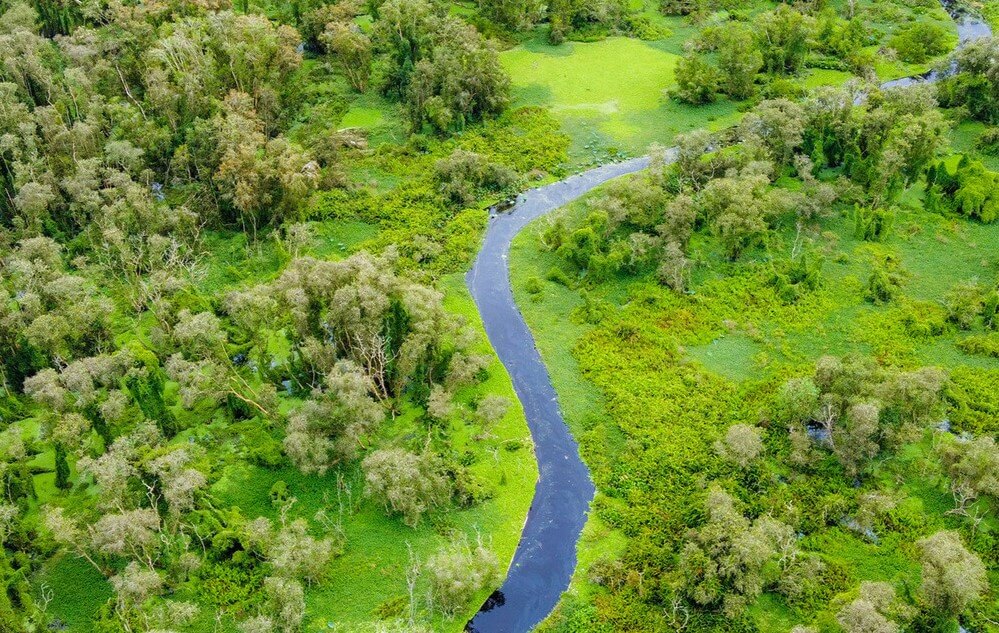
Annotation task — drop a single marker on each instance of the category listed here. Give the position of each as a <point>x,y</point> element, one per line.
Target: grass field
<point>608,94</point>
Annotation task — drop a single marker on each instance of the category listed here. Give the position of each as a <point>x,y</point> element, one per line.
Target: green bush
<point>919,41</point>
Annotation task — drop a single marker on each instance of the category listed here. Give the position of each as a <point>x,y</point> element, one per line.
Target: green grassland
<point>608,95</point>
<point>649,379</point>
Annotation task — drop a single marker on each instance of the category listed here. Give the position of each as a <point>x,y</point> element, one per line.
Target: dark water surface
<point>546,555</point>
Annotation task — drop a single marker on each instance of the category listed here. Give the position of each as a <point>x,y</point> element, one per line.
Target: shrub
<point>872,225</point>
<point>697,81</point>
<point>919,41</point>
<point>557,275</point>
<point>981,345</point>
<point>457,573</point>
<point>465,176</point>
<point>404,482</point>
<point>533,286</point>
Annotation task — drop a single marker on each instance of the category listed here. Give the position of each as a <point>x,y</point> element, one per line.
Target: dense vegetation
<point>208,398</point>
<point>244,388</point>
<point>791,423</point>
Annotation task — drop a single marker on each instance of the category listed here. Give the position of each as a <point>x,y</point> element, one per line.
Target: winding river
<point>546,555</point>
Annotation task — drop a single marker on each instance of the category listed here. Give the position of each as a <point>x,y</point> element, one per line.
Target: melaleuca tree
<point>59,314</point>
<point>516,15</point>
<point>739,60</point>
<point>953,577</point>
<point>873,610</point>
<point>360,309</point>
<point>405,483</point>
<point>456,573</point>
<point>973,468</point>
<point>330,426</point>
<point>782,35</point>
<point>257,181</point>
<point>28,59</point>
<point>352,51</point>
<point>697,81</point>
<point>403,35</point>
<point>460,80</point>
<point>734,208</point>
<point>731,559</point>
<point>191,70</point>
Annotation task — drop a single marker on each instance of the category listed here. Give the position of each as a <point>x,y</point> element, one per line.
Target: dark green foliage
<point>988,141</point>
<point>970,190</point>
<point>872,224</point>
<point>797,277</point>
<point>61,468</point>
<point>981,345</point>
<point>147,390</point>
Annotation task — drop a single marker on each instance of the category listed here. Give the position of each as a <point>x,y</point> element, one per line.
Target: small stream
<point>545,558</point>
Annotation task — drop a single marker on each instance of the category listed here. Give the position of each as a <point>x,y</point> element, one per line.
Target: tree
<point>778,126</point>
<point>973,468</point>
<point>403,35</point>
<point>187,72</point>
<point>455,574</point>
<point>697,81</point>
<point>491,410</point>
<point>329,427</point>
<point>351,50</point>
<point>464,176</point>
<point>285,602</point>
<point>953,577</point>
<point>739,60</point>
<point>798,401</point>
<point>742,444</point>
<point>263,180</point>
<point>868,613</point>
<point>782,37</point>
<point>459,81</point>
<point>731,559</point>
<point>674,268</point>
<point>855,437</point>
<point>517,15</point>
<point>292,552</point>
<point>404,482</point>
<point>735,209</point>
<point>918,41</point>
<point>132,587</point>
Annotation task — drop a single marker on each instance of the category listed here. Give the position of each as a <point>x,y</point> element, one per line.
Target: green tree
<point>918,41</point>
<point>953,577</point>
<point>739,60</point>
<point>351,50</point>
<point>697,81</point>
<point>782,37</point>
<point>62,473</point>
<point>459,82</point>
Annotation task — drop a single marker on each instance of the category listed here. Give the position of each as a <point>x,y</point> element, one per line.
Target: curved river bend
<point>546,555</point>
